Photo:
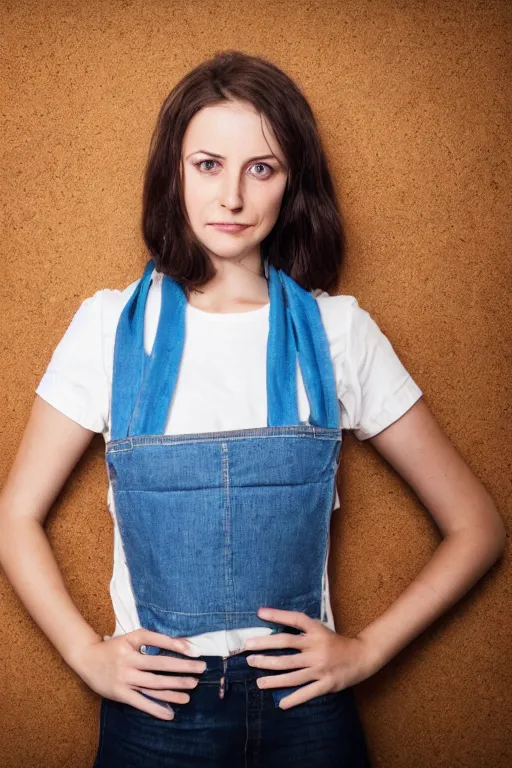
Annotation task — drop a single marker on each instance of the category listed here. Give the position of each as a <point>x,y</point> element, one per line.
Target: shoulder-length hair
<point>307,240</point>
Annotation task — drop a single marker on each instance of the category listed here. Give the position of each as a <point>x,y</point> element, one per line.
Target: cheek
<point>270,212</point>
<point>196,198</point>
<point>269,202</point>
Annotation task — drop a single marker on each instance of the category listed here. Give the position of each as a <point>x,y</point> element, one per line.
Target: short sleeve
<point>75,381</point>
<point>374,387</point>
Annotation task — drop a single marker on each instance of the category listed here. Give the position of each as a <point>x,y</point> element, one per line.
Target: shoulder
<point>359,347</point>
<point>114,299</point>
<point>112,303</point>
<point>101,309</point>
<point>342,317</point>
<point>335,308</point>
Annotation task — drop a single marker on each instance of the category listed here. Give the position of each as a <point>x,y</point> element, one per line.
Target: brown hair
<point>307,239</point>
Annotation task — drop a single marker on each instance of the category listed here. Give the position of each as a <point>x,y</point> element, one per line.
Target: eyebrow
<point>213,154</point>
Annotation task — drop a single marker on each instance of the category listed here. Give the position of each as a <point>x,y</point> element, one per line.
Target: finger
<point>298,677</point>
<point>167,664</point>
<point>139,701</point>
<point>303,694</point>
<point>279,640</point>
<point>158,682</point>
<point>171,696</point>
<point>290,618</point>
<point>287,661</point>
<point>147,637</point>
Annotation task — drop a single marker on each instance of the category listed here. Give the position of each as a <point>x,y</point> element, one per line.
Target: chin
<point>221,254</point>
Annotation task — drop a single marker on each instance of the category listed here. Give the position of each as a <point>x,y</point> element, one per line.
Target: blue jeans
<point>244,729</point>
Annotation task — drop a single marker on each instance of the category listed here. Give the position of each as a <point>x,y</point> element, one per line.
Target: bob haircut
<point>307,239</point>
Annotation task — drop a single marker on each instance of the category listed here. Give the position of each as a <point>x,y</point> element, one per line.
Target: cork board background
<point>413,103</point>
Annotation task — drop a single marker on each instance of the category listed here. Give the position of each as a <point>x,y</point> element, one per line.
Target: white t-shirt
<point>222,386</point>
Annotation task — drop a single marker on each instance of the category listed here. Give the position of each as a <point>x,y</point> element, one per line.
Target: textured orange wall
<point>413,103</point>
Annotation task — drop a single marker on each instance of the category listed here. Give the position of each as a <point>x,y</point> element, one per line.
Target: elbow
<point>498,534</point>
<point>493,536</point>
<point>487,540</point>
<point>500,541</point>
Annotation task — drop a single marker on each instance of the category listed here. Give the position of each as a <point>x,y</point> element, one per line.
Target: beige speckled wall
<point>413,99</point>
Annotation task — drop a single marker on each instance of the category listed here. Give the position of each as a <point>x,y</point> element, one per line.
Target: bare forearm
<point>458,562</point>
<point>30,565</point>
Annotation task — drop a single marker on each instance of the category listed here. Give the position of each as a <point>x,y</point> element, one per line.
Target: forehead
<point>232,129</point>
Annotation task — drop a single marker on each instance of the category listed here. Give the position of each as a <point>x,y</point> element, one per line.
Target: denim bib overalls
<point>216,524</point>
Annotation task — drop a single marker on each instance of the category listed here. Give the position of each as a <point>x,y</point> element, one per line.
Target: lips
<point>230,227</point>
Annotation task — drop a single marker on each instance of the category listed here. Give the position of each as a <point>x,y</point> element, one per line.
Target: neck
<point>237,287</point>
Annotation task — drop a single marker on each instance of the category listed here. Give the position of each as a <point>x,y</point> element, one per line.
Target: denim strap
<point>143,385</point>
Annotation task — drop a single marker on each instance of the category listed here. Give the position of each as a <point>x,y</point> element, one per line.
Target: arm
<point>50,447</point>
<point>474,534</point>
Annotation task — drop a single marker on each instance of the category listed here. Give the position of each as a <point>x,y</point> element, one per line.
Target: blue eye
<point>203,161</point>
<point>264,165</point>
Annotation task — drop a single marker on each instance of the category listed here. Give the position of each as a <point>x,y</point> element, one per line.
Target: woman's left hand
<point>331,660</point>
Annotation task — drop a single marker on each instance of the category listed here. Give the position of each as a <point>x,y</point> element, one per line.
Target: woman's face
<point>233,172</point>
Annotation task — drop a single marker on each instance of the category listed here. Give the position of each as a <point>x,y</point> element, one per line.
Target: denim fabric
<point>215,527</point>
<point>241,730</point>
<point>216,524</point>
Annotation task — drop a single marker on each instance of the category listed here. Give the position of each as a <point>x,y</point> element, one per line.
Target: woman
<point>221,381</point>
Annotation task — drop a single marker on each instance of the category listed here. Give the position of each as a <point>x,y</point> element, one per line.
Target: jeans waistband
<point>233,668</point>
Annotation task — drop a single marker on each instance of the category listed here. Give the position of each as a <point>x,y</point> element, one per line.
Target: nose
<point>231,190</point>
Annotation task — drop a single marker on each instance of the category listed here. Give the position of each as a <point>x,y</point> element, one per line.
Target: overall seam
<point>228,580</point>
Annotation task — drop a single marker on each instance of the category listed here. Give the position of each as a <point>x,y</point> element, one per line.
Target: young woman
<point>221,380</point>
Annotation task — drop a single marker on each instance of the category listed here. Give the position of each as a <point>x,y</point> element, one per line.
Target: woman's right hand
<point>116,669</point>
